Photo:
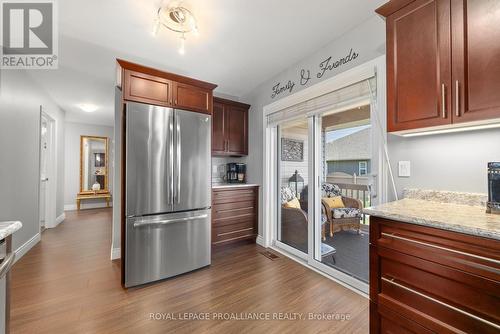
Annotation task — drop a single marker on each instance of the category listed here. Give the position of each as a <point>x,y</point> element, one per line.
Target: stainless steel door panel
<point>163,246</point>
<point>149,159</point>
<point>192,171</point>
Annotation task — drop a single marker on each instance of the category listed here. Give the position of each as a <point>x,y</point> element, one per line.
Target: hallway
<point>67,284</point>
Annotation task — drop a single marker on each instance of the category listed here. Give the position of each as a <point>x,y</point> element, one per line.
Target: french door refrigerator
<point>168,192</point>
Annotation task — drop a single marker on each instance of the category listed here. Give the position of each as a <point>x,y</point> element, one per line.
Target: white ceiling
<point>242,44</point>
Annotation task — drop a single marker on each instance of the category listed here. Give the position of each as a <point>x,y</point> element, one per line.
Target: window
<point>362,168</point>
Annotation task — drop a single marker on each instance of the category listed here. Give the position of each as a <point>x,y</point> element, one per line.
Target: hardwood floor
<point>67,284</point>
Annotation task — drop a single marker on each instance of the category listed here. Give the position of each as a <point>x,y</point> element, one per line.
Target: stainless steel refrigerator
<point>168,192</point>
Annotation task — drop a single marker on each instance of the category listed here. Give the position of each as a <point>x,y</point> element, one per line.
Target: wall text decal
<point>305,75</point>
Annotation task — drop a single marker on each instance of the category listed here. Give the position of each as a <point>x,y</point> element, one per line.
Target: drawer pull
<point>440,247</point>
<point>391,281</point>
<point>230,210</point>
<point>233,232</point>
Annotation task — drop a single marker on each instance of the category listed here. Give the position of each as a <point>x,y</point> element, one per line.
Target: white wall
<point>454,162</point>
<point>20,101</point>
<point>72,161</point>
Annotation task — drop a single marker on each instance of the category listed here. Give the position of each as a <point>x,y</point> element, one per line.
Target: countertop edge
<point>9,227</point>
<point>435,224</point>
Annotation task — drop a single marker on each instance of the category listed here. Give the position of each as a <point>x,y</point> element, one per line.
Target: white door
<point>47,163</point>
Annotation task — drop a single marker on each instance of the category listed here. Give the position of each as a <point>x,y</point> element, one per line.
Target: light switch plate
<point>404,169</point>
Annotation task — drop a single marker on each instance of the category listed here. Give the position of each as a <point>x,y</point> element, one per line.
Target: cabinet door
<point>140,87</point>
<point>192,98</point>
<point>218,129</point>
<point>237,127</point>
<point>418,66</point>
<point>476,59</point>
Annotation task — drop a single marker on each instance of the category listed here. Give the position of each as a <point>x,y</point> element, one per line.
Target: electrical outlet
<point>404,169</point>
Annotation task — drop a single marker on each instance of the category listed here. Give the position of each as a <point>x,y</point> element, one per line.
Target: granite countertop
<point>462,218</point>
<point>8,228</point>
<point>232,185</point>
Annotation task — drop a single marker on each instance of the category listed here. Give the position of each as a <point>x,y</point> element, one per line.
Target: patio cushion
<point>330,190</point>
<point>346,213</point>
<point>334,202</point>
<point>287,194</point>
<point>294,203</point>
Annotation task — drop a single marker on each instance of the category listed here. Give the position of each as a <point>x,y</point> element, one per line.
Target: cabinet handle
<point>457,98</point>
<point>391,281</point>
<point>393,236</point>
<point>443,100</point>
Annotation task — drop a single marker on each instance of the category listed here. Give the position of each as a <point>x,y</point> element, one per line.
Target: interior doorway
<point>47,192</point>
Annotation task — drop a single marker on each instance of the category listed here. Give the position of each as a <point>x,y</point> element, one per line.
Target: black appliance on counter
<point>493,205</point>
<point>236,173</point>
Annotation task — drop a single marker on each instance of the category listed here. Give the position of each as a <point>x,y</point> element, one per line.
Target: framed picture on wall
<point>292,150</point>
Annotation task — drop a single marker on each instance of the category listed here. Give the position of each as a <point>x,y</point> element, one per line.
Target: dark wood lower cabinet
<point>234,214</point>
<point>427,280</point>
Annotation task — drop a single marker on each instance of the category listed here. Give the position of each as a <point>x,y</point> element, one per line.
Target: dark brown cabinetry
<point>427,280</point>
<point>234,214</point>
<point>443,62</point>
<point>147,85</point>
<point>229,128</point>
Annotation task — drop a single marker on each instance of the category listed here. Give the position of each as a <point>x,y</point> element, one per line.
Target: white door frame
<point>51,191</point>
<point>364,71</point>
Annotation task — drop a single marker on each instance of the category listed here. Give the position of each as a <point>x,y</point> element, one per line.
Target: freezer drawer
<point>163,246</point>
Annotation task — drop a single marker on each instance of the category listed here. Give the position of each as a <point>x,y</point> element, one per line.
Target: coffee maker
<point>493,205</point>
<point>236,172</point>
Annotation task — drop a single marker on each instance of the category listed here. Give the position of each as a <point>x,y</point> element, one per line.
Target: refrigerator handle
<point>171,159</point>
<point>179,169</point>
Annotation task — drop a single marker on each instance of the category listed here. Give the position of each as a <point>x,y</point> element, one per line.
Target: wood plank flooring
<point>67,284</point>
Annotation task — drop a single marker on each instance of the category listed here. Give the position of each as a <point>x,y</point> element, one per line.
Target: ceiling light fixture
<point>87,107</point>
<point>176,18</point>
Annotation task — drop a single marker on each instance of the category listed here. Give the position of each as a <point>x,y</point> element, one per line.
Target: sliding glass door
<point>328,158</point>
<point>293,178</point>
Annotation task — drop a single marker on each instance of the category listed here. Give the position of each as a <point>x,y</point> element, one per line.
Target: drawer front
<point>433,294</point>
<point>386,321</point>
<point>234,210</point>
<point>232,196</point>
<point>232,232</point>
<point>479,256</point>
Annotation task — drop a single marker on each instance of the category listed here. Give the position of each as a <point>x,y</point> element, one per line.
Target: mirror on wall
<point>93,165</point>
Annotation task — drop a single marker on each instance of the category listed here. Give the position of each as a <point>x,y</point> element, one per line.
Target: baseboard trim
<point>23,249</point>
<point>115,253</point>
<point>260,241</point>
<point>84,206</point>
<point>58,221</point>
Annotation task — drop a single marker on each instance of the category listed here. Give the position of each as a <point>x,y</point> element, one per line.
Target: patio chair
<point>340,219</point>
<point>294,222</point>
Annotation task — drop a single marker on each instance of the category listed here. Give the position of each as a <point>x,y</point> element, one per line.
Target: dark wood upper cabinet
<point>146,88</point>
<point>192,97</point>
<point>476,59</point>
<point>218,129</point>
<point>443,62</point>
<point>418,67</point>
<point>229,128</point>
<point>148,85</point>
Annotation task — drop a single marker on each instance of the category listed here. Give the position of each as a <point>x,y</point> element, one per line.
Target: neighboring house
<point>350,154</point>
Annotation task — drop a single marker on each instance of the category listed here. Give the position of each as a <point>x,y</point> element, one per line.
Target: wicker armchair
<point>340,219</point>
<point>294,222</point>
